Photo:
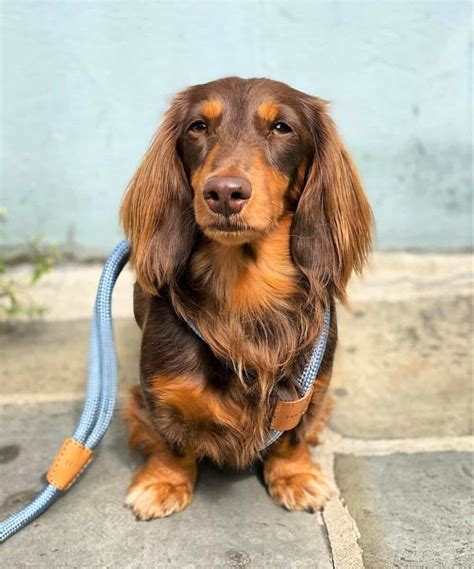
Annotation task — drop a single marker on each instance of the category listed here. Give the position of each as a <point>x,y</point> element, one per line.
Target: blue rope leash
<point>101,389</point>
<point>102,386</point>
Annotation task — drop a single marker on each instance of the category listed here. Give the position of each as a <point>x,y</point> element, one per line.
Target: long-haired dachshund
<point>246,219</point>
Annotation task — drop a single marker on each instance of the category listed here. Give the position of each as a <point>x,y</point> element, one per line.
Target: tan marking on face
<point>268,111</point>
<point>198,179</point>
<point>274,181</point>
<point>268,191</point>
<point>211,109</point>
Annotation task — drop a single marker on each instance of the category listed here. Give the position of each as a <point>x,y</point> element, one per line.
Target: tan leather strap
<point>70,461</point>
<point>288,414</point>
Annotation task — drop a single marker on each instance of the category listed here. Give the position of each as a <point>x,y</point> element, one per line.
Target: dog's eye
<point>198,126</point>
<point>281,128</point>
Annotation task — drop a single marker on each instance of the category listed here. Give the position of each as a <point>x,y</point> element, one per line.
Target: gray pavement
<point>409,363</point>
<point>398,449</point>
<point>411,509</point>
<point>231,523</point>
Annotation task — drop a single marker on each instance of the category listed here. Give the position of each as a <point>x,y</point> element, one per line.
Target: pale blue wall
<point>84,85</point>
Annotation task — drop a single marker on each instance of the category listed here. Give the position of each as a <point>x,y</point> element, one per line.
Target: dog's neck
<point>251,278</point>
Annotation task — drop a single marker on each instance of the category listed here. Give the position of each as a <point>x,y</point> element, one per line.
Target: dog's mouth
<point>230,225</point>
<point>230,230</point>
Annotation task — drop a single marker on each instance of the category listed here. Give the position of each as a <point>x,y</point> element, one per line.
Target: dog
<point>246,219</point>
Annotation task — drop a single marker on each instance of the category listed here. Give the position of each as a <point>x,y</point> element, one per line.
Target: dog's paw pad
<point>307,491</point>
<point>157,500</point>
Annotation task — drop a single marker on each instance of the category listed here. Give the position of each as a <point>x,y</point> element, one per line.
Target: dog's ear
<point>157,212</point>
<point>332,225</point>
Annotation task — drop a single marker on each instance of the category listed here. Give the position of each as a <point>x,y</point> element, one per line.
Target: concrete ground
<point>398,449</point>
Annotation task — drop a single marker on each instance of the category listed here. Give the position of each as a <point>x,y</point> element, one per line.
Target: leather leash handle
<point>68,464</point>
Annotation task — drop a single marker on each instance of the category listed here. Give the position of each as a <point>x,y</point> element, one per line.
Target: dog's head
<point>231,159</point>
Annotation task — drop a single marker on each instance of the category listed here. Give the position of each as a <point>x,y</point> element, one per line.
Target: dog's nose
<point>226,194</point>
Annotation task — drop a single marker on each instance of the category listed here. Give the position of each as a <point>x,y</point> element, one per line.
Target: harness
<point>288,413</point>
<point>76,452</point>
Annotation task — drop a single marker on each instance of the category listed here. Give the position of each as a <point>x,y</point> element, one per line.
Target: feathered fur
<point>256,290</point>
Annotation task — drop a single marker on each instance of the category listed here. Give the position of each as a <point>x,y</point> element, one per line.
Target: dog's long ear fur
<point>156,211</point>
<point>331,231</point>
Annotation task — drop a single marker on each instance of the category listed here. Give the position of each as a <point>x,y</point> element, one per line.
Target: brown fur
<point>156,211</point>
<point>256,284</point>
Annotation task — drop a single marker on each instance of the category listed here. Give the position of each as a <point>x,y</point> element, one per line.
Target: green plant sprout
<point>15,292</point>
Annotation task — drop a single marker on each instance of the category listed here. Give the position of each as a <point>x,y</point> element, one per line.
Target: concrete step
<point>47,360</point>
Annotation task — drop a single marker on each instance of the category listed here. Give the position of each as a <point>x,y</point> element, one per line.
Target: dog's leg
<point>292,479</point>
<point>317,423</point>
<point>165,483</point>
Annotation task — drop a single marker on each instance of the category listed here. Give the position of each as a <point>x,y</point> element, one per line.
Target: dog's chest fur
<point>215,397</point>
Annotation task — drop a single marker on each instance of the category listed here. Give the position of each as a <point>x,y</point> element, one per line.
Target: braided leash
<point>77,452</point>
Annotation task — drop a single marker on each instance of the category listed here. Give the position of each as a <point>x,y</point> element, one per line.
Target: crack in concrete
<point>342,532</point>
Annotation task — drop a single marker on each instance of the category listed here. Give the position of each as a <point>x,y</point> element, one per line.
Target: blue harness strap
<point>76,452</point>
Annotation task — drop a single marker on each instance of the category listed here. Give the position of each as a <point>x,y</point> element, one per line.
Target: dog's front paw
<point>157,499</point>
<point>305,491</point>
